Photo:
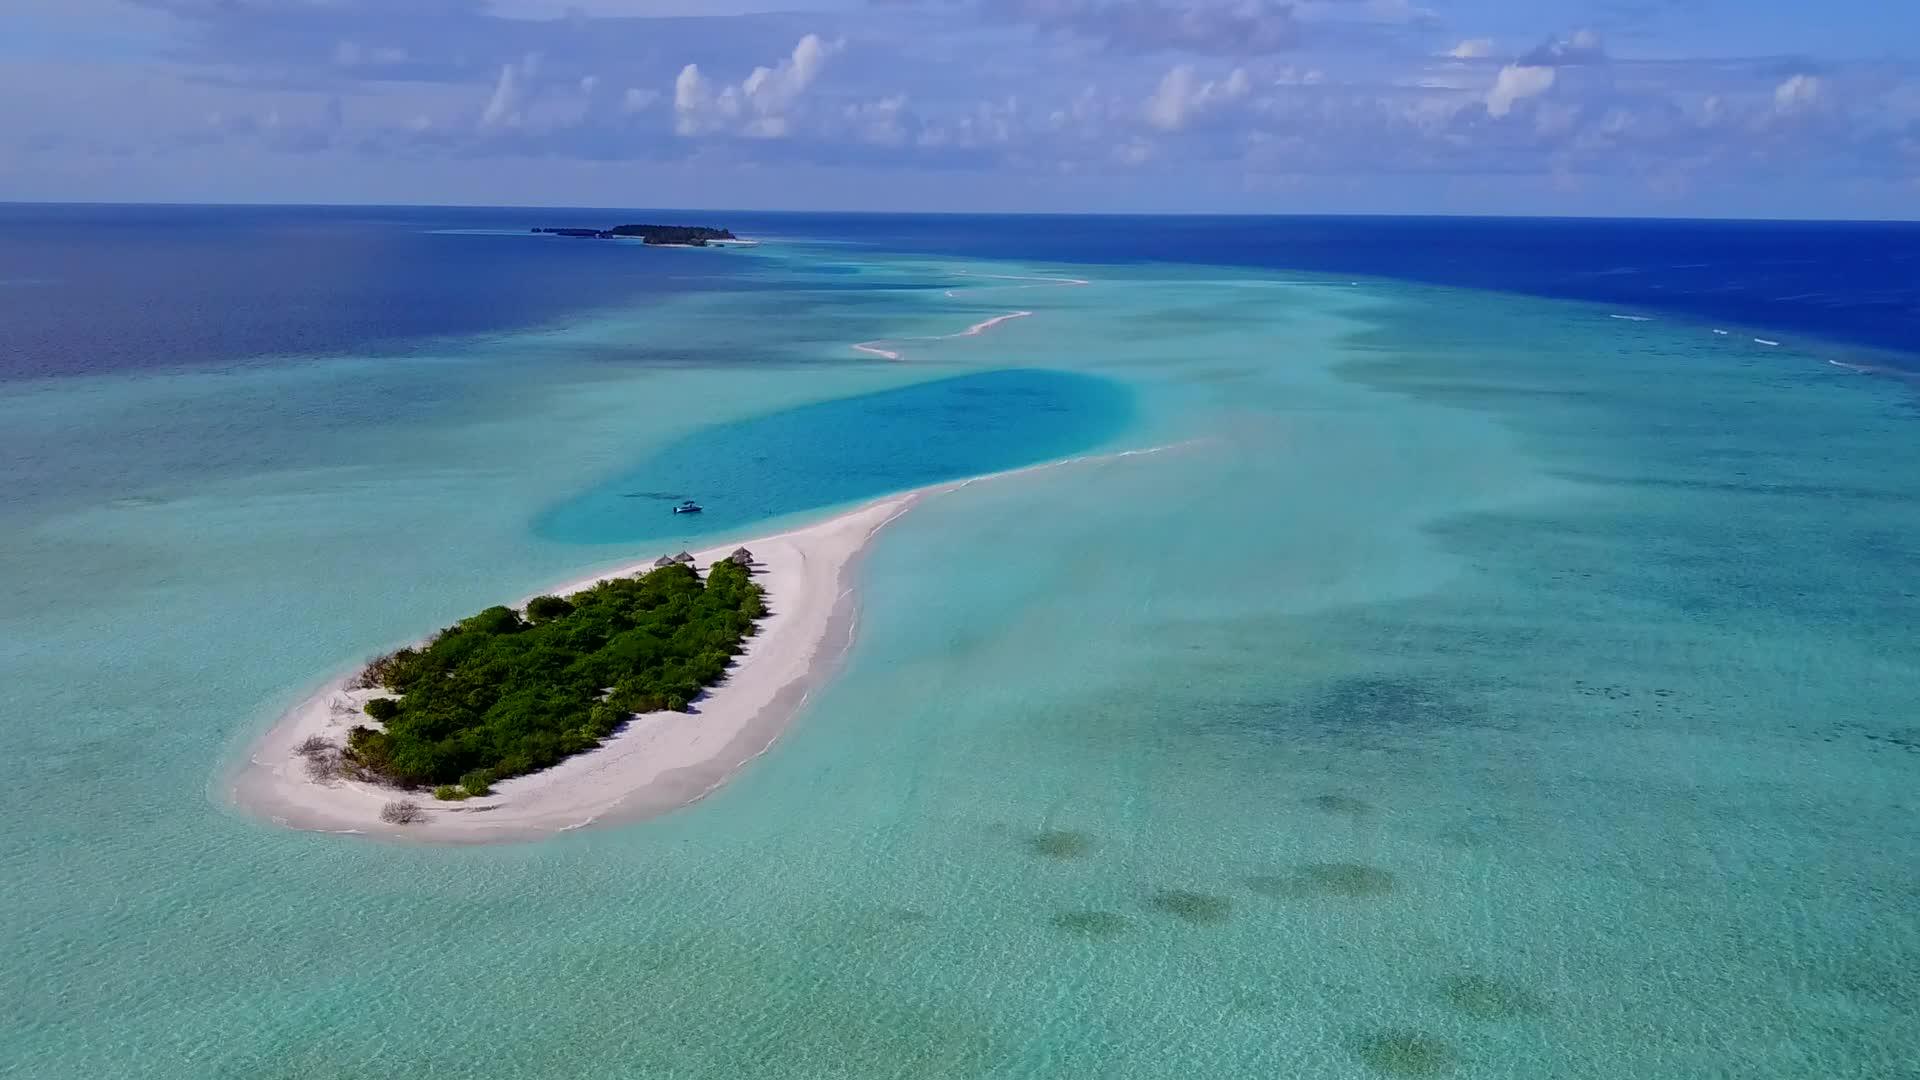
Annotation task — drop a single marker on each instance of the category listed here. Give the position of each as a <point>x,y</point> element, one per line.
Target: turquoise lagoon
<point>1471,685</point>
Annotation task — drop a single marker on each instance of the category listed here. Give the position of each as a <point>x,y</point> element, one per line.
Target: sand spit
<point>659,761</point>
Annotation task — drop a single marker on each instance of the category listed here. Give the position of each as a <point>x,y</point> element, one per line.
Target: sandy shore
<point>658,762</point>
<point>878,346</point>
<point>873,348</point>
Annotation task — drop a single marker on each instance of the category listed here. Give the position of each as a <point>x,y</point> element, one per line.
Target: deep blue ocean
<point>89,289</point>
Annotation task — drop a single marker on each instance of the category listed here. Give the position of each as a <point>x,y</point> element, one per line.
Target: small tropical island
<point>615,697</point>
<point>662,235</point>
<point>508,692</point>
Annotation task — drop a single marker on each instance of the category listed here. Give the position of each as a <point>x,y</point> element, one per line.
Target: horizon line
<point>1108,214</point>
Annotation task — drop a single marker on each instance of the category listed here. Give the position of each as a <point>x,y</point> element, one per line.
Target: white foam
<point>1764,341</point>
<point>876,347</point>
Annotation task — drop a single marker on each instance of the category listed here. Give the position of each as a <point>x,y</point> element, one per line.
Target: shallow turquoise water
<point>1474,684</point>
<point>843,450</point>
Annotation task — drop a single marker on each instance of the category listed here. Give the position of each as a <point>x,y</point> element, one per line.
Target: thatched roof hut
<point>742,556</point>
<point>663,561</point>
<point>684,557</point>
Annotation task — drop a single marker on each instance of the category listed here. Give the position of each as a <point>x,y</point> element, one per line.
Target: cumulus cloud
<point>1515,83</point>
<point>509,93</point>
<point>1181,96</point>
<point>1218,27</point>
<point>1134,152</point>
<point>1797,94</point>
<point>349,54</point>
<point>1034,87</point>
<point>759,104</point>
<point>879,122</point>
<point>1579,47</point>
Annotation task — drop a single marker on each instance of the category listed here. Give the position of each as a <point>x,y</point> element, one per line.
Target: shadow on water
<point>1404,1053</point>
<point>1344,805</point>
<point>1092,924</point>
<point>1060,844</point>
<point>845,450</point>
<point>1484,998</point>
<point>1194,907</point>
<point>1388,702</point>
<point>1375,710</point>
<point>1349,881</point>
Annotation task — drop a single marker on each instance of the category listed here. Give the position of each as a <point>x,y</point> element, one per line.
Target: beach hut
<point>663,561</point>
<point>741,556</point>
<point>684,557</point>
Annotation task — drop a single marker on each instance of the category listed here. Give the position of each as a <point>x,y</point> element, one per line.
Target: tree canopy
<point>497,695</point>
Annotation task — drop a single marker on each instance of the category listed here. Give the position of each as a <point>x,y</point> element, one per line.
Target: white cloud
<point>1552,120</point>
<point>1797,93</point>
<point>987,124</point>
<point>353,54</point>
<point>1515,83</point>
<point>879,121</point>
<point>1580,47</point>
<point>759,104</point>
<point>1472,49</point>
<point>692,97</point>
<point>1181,96</point>
<point>503,107</point>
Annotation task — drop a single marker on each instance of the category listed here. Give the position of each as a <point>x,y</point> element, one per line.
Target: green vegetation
<point>498,695</point>
<point>547,608</point>
<point>697,235</point>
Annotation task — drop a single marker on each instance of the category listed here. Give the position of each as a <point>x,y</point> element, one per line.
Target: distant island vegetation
<point>503,693</point>
<point>686,235</point>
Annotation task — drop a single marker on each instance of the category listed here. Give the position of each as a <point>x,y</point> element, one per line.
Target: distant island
<point>674,235</point>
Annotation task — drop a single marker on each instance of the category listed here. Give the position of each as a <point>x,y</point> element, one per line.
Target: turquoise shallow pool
<point>835,452</point>
<point>1476,686</point>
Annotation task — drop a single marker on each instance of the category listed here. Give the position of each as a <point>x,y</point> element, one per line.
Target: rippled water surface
<point>1473,685</point>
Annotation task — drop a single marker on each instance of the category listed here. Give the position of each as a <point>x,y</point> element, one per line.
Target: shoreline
<point>656,763</point>
<point>659,762</point>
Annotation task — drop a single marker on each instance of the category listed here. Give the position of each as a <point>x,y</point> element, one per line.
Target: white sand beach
<point>658,762</point>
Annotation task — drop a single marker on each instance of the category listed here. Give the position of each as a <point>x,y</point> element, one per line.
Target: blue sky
<point>1778,108</point>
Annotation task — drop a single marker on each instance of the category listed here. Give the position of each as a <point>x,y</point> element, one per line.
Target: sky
<point>1747,108</point>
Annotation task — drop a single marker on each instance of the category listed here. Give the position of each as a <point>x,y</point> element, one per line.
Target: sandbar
<point>659,761</point>
<point>656,763</point>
